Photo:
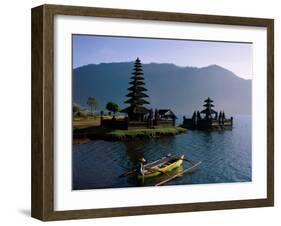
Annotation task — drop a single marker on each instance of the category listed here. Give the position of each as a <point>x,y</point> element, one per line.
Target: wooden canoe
<point>153,170</point>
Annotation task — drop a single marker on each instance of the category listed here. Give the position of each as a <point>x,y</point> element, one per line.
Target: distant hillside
<point>181,89</point>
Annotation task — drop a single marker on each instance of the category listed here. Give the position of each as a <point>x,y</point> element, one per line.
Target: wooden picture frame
<point>43,112</point>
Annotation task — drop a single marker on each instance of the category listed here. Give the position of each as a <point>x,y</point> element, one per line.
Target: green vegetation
<point>134,133</point>
<point>108,134</point>
<point>77,111</point>
<point>76,108</point>
<point>111,106</point>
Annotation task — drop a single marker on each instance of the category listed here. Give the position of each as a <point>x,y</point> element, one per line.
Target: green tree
<point>110,106</point>
<point>92,103</point>
<point>76,108</point>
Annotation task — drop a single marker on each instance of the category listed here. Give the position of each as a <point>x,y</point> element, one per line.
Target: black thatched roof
<point>208,105</point>
<point>136,101</point>
<point>208,111</point>
<point>136,95</point>
<point>135,110</point>
<point>208,100</point>
<point>137,61</point>
<point>137,77</point>
<point>137,73</point>
<point>137,68</point>
<point>167,113</point>
<point>137,89</point>
<point>137,83</point>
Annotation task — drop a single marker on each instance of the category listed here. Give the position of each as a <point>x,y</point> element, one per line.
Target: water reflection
<point>225,155</point>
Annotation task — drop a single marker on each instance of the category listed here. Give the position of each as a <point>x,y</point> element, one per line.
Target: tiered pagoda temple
<point>138,116</point>
<point>136,96</point>
<point>208,111</point>
<point>208,118</point>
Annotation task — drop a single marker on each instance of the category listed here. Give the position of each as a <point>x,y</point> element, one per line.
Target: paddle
<point>128,173</point>
<point>193,163</point>
<point>151,163</point>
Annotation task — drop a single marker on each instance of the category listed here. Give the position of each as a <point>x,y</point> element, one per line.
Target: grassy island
<point>108,134</point>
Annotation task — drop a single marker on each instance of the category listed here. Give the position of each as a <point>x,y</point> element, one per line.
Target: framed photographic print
<point>141,112</point>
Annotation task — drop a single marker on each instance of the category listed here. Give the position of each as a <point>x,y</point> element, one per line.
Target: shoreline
<point>94,133</point>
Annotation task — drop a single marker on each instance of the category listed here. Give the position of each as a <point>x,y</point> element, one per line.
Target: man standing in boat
<point>140,166</point>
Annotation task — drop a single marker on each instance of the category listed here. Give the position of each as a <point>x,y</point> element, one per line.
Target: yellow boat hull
<point>153,172</point>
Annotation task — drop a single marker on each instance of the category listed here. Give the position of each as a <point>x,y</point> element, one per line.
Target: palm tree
<point>92,102</point>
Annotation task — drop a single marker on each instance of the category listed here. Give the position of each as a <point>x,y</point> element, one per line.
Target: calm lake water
<point>225,155</point>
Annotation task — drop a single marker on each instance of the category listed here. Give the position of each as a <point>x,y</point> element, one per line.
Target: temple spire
<point>136,95</point>
<point>208,111</point>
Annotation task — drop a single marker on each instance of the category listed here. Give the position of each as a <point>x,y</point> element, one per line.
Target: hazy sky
<point>90,49</point>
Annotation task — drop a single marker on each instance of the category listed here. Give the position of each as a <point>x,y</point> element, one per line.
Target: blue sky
<point>91,49</point>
